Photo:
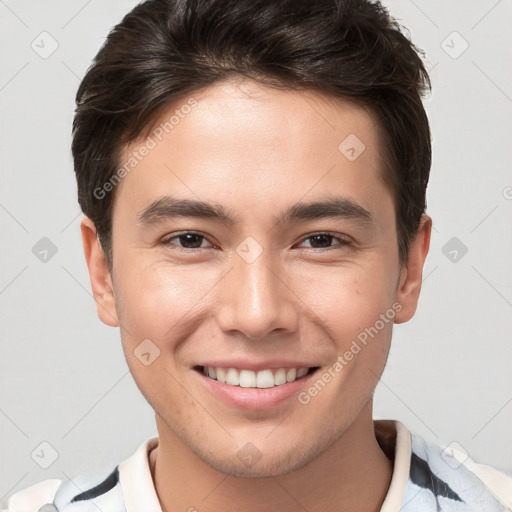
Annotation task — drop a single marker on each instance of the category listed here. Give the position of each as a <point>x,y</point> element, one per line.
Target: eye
<point>188,239</point>
<point>193,240</point>
<point>323,240</point>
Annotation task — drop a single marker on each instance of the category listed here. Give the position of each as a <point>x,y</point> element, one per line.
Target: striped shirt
<point>426,478</point>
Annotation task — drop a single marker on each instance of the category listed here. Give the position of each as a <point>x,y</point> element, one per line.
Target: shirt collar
<point>136,481</point>
<point>395,440</point>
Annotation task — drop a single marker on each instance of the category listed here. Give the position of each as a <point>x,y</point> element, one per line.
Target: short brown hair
<point>165,49</point>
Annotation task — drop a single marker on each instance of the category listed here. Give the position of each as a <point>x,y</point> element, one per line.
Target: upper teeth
<point>249,379</point>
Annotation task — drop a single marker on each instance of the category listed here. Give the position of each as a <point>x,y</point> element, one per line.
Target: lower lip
<point>255,399</point>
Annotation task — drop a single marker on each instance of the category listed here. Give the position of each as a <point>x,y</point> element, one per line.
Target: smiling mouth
<point>268,378</point>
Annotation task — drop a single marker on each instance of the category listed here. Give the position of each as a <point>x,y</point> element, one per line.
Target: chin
<point>262,468</point>
<point>271,461</point>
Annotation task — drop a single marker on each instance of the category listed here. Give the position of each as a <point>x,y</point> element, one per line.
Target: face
<point>260,284</point>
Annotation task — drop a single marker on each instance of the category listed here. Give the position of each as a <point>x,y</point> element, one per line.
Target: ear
<point>412,271</point>
<point>101,280</point>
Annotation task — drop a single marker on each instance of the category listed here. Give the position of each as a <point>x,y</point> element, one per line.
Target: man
<point>253,178</point>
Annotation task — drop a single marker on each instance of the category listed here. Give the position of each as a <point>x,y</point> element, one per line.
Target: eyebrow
<point>335,207</point>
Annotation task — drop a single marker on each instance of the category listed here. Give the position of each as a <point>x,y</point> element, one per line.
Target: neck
<point>353,474</point>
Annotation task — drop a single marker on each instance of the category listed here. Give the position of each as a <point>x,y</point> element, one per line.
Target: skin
<point>257,151</point>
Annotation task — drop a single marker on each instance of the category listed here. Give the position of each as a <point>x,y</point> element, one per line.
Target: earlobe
<point>412,272</point>
<point>101,280</point>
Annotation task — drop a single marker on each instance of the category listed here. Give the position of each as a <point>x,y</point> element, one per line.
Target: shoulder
<point>455,478</point>
<point>57,495</point>
<point>33,497</point>
<point>106,487</point>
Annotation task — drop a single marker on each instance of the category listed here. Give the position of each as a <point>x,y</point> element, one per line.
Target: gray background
<point>64,379</point>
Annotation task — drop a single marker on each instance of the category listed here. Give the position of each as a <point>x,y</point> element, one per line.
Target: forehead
<point>245,143</point>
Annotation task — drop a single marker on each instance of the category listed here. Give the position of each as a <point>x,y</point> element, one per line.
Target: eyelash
<point>342,241</point>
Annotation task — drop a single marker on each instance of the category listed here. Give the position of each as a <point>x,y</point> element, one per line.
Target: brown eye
<point>187,240</point>
<point>324,240</point>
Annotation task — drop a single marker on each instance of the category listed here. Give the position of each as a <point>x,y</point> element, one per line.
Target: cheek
<point>163,303</point>
<point>167,304</point>
<point>346,299</point>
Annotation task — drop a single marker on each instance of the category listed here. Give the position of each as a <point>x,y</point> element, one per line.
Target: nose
<point>257,299</point>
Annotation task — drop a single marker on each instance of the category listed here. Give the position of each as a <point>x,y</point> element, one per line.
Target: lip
<point>255,399</point>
